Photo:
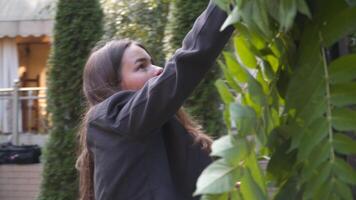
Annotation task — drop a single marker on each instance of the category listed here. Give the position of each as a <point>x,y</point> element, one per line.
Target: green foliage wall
<point>204,103</point>
<point>141,20</point>
<point>289,102</point>
<point>78,26</point>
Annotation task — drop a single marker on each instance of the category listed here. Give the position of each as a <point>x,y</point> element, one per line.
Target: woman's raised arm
<point>136,113</point>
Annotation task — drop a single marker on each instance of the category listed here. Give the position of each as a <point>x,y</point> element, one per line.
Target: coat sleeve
<point>162,96</point>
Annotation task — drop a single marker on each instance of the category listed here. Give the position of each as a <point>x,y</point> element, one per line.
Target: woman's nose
<point>158,70</point>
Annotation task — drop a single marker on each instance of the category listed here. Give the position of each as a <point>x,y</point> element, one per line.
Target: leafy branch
<point>284,104</point>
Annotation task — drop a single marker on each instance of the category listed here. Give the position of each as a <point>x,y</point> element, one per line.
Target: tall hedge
<point>78,26</point>
<point>205,102</point>
<point>139,20</point>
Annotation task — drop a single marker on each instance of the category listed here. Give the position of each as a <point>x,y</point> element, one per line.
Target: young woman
<point>136,142</point>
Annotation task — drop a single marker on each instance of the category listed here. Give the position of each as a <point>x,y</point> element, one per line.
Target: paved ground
<point>20,182</point>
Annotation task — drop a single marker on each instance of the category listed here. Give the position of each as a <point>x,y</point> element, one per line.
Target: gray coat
<point>140,150</point>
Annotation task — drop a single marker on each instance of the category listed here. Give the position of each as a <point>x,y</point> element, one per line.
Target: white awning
<point>26,17</point>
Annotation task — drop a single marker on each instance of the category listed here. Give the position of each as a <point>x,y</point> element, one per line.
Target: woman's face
<point>137,68</point>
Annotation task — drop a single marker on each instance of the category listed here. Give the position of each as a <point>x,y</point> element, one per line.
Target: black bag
<point>19,154</point>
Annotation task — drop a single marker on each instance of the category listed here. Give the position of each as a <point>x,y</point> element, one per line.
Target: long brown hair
<point>101,79</point>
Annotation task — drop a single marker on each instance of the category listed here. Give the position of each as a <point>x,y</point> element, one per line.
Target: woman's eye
<point>141,67</point>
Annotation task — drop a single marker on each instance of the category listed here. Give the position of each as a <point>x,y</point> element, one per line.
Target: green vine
<point>284,104</point>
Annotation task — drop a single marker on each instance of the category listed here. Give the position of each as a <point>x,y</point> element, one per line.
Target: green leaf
<point>334,196</point>
<point>287,13</point>
<point>273,61</point>
<point>343,190</point>
<point>310,95</point>
<point>235,68</point>
<point>260,17</point>
<point>343,69</point>
<point>223,4</point>
<point>277,47</point>
<point>281,163</point>
<point>255,171</point>
<point>262,82</point>
<point>344,144</point>
<point>343,94</point>
<point>224,196</point>
<point>303,8</point>
<point>248,10</point>
<point>230,149</point>
<point>230,80</point>
<point>319,155</point>
<point>324,191</point>
<point>313,185</point>
<point>247,100</point>
<point>235,195</point>
<point>328,8</point>
<point>273,10</point>
<point>275,117</point>
<point>338,26</point>
<point>218,177</point>
<point>296,131</point>
<point>288,190</point>
<point>246,57</point>
<point>224,92</point>
<point>312,136</point>
<point>245,118</point>
<point>267,71</point>
<point>256,91</point>
<point>253,37</point>
<point>344,171</point>
<point>227,118</point>
<point>250,189</point>
<point>233,18</point>
<point>344,119</point>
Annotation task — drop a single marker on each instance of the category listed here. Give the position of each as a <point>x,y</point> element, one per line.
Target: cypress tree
<point>78,26</point>
<point>143,21</point>
<point>204,102</point>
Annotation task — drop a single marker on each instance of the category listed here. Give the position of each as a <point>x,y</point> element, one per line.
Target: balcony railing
<point>24,109</point>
